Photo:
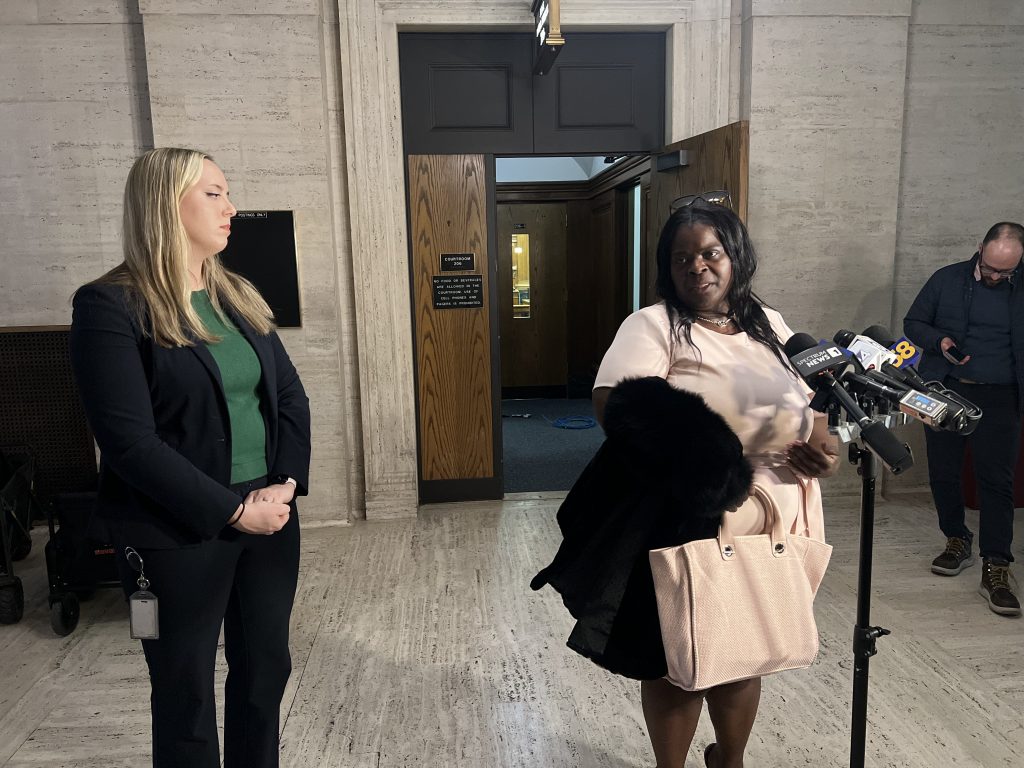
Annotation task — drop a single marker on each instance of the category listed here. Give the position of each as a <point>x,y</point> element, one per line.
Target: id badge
<point>143,612</point>
<point>143,608</point>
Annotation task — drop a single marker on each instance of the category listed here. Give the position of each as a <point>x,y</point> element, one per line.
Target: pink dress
<point>765,404</point>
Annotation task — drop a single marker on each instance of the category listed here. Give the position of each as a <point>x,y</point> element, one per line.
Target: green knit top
<point>240,373</point>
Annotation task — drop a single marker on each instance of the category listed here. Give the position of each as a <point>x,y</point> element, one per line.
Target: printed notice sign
<point>458,262</point>
<point>458,291</point>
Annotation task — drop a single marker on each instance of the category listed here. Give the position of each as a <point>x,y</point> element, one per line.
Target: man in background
<point>969,321</point>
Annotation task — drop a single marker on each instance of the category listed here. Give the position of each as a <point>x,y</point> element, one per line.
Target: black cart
<point>79,557</point>
<point>40,409</point>
<point>18,507</point>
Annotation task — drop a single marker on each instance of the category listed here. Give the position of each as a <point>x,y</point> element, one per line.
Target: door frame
<point>372,165</point>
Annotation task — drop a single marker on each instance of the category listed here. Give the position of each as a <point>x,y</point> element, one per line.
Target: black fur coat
<point>667,469</point>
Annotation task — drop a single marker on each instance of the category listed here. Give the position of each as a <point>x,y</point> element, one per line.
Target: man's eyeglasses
<point>718,197</point>
<point>995,274</point>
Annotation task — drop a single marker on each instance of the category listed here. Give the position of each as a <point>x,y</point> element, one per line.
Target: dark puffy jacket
<point>667,469</point>
<point>941,309</point>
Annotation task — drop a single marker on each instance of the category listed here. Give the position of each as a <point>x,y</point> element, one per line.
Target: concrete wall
<point>252,89</point>
<point>823,88</point>
<point>962,154</point>
<point>885,137</point>
<point>74,112</point>
<point>88,87</point>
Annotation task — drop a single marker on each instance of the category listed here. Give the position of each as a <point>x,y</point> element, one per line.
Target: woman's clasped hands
<point>265,510</point>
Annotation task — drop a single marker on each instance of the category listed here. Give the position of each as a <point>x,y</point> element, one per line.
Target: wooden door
<point>454,322</point>
<point>717,159</point>
<point>598,300</point>
<point>532,312</point>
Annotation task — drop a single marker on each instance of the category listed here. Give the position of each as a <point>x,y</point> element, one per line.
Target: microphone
<point>958,415</point>
<point>869,352</point>
<point>908,376</point>
<point>818,364</point>
<point>907,355</point>
<point>811,359</point>
<point>929,409</point>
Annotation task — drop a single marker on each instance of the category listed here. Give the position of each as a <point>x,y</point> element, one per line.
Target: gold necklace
<point>720,323</point>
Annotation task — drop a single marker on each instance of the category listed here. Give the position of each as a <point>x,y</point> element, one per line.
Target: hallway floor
<point>537,455</point>
<point>419,643</point>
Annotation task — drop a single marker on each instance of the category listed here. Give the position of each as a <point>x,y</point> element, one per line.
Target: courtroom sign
<point>458,291</point>
<point>458,262</point>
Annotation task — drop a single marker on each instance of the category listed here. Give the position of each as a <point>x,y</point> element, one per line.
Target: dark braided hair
<point>745,305</point>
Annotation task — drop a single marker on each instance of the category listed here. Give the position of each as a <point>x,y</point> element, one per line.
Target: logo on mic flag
<point>819,358</point>
<point>907,353</point>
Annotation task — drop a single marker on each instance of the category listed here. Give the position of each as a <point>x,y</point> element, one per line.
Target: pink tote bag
<point>738,607</point>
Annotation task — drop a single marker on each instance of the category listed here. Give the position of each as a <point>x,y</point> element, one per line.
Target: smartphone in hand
<point>955,353</point>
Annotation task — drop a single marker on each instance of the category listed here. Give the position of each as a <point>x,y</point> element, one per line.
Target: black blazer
<point>161,421</point>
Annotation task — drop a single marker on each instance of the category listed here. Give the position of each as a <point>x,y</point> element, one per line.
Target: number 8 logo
<point>905,351</point>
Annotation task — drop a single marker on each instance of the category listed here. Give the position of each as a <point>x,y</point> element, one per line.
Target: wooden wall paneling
<point>533,350</point>
<point>647,275</point>
<point>447,203</point>
<point>579,303</point>
<point>718,159</point>
<point>608,261</point>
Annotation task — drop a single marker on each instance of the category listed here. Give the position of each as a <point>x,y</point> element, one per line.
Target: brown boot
<point>995,587</point>
<point>955,558</point>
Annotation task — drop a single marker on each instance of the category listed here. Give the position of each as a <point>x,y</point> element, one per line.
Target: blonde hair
<point>156,252</point>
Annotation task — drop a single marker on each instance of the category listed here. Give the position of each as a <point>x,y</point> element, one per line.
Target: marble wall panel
<point>707,87</point>
<point>250,90</point>
<point>68,11</point>
<point>19,12</point>
<point>825,110</point>
<point>73,116</point>
<point>960,13</point>
<point>231,7</point>
<point>962,147</point>
<point>826,8</point>
<point>87,11</point>
<point>825,126</point>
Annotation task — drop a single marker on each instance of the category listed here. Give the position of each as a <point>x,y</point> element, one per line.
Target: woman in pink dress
<point>713,336</point>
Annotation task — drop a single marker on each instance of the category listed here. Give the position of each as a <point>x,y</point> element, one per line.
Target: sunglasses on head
<point>704,199</point>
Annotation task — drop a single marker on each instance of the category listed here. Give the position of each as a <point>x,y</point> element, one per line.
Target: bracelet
<point>238,516</point>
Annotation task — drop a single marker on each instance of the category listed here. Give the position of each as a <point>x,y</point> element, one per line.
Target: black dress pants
<point>247,582</point>
<point>994,448</point>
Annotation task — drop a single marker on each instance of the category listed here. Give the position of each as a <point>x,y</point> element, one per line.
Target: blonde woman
<point>204,435</point>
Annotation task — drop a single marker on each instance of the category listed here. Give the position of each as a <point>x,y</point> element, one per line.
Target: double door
<point>459,363</point>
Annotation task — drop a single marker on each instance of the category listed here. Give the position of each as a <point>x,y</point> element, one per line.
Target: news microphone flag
<point>908,354</point>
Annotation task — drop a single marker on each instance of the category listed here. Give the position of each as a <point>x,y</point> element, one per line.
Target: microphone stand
<point>864,635</point>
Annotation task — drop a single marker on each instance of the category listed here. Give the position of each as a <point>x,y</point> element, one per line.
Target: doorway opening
<point>569,270</point>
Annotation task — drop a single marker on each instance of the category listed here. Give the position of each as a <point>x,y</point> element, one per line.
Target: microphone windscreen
<point>880,334</point>
<point>844,337</point>
<point>799,342</point>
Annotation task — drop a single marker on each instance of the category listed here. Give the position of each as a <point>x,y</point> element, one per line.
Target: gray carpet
<point>539,456</point>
